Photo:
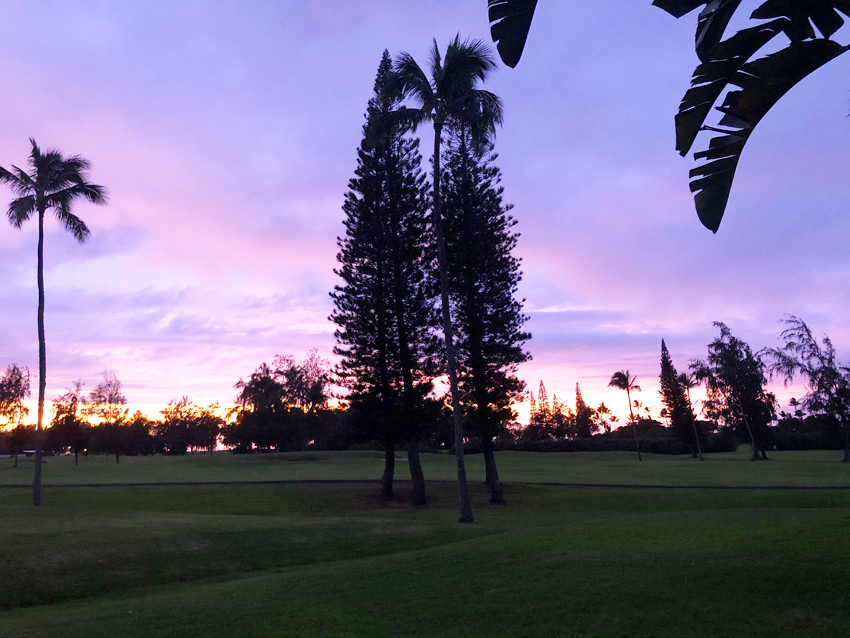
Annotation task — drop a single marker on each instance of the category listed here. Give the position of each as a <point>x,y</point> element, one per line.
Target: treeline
<point>280,407</point>
<point>99,422</point>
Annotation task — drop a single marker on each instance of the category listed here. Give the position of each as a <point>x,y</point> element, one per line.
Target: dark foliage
<point>384,309</point>
<point>483,278</point>
<point>734,380</point>
<point>676,402</point>
<point>277,405</point>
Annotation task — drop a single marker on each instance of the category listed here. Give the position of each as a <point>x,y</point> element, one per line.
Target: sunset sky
<point>227,132</point>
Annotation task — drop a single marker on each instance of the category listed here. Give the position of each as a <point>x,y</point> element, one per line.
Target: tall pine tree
<point>483,279</point>
<point>384,311</point>
<point>675,399</point>
<point>585,426</point>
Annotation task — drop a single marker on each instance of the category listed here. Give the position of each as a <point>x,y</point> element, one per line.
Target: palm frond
<point>73,224</point>
<point>409,80</point>
<point>435,60</point>
<point>406,118</point>
<point>20,210</point>
<point>466,62</point>
<point>483,112</point>
<point>18,180</point>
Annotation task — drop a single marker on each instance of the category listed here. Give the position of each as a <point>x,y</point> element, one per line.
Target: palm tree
<point>688,381</point>
<point>624,381</point>
<point>450,99</point>
<point>53,182</point>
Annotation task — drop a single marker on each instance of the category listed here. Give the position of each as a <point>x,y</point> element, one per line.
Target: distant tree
<point>483,278</point>
<point>676,402</point>
<point>14,388</point>
<point>761,82</point>
<point>184,425</point>
<point>828,383</point>
<point>139,434</point>
<point>585,425</point>
<point>447,98</point>
<point>205,427</point>
<point>688,381</point>
<point>106,403</point>
<point>540,411</point>
<point>603,418</point>
<point>69,428</point>
<point>548,422</point>
<point>304,384</point>
<point>734,380</point>
<point>275,402</point>
<point>384,308</point>
<point>624,381</point>
<point>55,183</point>
<point>173,429</point>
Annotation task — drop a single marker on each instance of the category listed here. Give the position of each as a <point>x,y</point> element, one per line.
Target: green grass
<point>815,468</point>
<point>337,560</point>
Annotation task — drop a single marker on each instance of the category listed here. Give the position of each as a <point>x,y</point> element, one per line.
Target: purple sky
<point>226,133</point>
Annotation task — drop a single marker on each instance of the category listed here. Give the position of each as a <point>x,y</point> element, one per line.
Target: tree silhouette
<point>828,382</point>
<point>68,427</point>
<point>687,382</point>
<point>384,309</point>
<point>483,278</point>
<point>448,98</point>
<point>734,380</point>
<point>14,388</point>
<point>107,404</point>
<point>53,182</point>
<point>624,381</point>
<point>676,402</point>
<point>761,81</point>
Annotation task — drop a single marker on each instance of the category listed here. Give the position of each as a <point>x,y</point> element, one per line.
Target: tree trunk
<point>389,470</point>
<point>634,424</point>
<point>694,423</point>
<point>491,474</point>
<point>846,458</point>
<point>42,365</point>
<point>116,457</point>
<point>755,456</point>
<point>16,458</point>
<point>416,476</point>
<point>76,457</point>
<point>464,505</point>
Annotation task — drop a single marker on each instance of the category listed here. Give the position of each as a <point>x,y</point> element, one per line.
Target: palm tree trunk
<point>42,364</point>
<point>465,507</point>
<point>634,424</point>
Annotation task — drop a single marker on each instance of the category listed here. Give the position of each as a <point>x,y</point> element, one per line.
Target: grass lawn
<point>814,468</point>
<point>337,560</point>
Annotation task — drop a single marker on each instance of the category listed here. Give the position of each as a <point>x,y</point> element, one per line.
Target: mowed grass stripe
<point>725,572</point>
<point>802,469</point>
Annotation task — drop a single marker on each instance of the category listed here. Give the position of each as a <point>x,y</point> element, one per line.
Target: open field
<point>337,560</point>
<point>810,468</point>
